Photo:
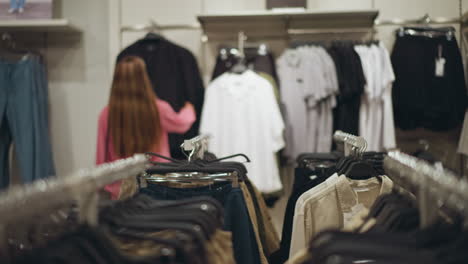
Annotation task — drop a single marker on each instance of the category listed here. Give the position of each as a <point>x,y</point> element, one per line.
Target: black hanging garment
<point>176,79</point>
<point>423,95</point>
<point>351,82</point>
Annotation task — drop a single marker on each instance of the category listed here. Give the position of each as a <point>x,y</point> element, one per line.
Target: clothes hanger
<point>137,227</point>
<point>429,32</point>
<point>220,170</point>
<point>12,52</point>
<point>345,246</point>
<point>203,211</point>
<point>200,219</point>
<point>357,168</point>
<point>176,251</point>
<point>177,247</point>
<point>240,67</point>
<point>153,31</point>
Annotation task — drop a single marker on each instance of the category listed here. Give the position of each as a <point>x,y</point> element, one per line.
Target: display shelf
<point>277,24</point>
<point>36,25</point>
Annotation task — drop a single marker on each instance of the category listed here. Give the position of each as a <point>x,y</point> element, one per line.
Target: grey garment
<point>23,120</point>
<point>309,85</point>
<point>291,78</point>
<point>463,145</point>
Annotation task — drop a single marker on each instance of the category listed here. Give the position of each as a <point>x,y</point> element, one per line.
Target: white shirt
<point>309,85</point>
<point>376,123</point>
<point>242,116</point>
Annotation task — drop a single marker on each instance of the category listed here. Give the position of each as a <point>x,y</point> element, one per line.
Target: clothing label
<point>361,189</point>
<point>348,216</point>
<point>439,63</point>
<point>440,67</point>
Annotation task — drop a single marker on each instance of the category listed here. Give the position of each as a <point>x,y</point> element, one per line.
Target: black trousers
<point>420,98</point>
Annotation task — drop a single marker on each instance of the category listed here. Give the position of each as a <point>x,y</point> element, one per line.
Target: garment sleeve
<point>388,137</point>
<point>193,85</point>
<point>388,74</point>
<point>297,238</point>
<point>285,84</point>
<point>174,122</point>
<point>102,137</point>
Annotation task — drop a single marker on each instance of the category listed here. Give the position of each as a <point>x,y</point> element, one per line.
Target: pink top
<point>171,122</point>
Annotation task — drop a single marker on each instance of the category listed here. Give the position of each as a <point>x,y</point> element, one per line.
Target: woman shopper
<point>135,120</point>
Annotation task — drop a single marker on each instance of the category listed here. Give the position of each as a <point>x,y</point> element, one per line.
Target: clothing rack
<point>424,20</point>
<point>197,146</point>
<point>352,144</point>
<point>26,202</point>
<point>152,26</point>
<point>331,31</point>
<point>433,185</point>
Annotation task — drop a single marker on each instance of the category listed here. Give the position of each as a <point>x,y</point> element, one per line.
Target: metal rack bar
<point>152,26</point>
<point>330,31</point>
<point>25,202</point>
<point>433,186</point>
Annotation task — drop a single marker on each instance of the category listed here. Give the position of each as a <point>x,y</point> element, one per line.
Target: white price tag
<point>440,63</point>
<point>440,67</point>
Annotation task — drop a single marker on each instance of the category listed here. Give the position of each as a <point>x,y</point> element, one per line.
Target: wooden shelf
<point>37,25</point>
<point>277,24</point>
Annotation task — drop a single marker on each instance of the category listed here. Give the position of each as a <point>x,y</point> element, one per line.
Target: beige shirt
<point>332,205</point>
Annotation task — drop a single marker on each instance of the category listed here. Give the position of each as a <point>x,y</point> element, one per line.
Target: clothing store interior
<point>254,132</point>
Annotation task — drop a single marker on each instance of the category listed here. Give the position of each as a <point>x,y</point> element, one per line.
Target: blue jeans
<point>16,4</point>
<point>23,120</point>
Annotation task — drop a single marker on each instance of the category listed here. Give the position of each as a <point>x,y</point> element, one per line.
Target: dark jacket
<point>174,73</point>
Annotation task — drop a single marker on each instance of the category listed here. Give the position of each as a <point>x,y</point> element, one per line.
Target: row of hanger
<point>356,164</point>
<point>435,187</point>
<point>80,188</point>
<point>200,166</point>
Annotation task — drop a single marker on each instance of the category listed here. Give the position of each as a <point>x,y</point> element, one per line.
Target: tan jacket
<point>332,204</point>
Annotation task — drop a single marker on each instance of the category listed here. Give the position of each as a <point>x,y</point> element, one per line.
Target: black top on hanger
<point>153,36</point>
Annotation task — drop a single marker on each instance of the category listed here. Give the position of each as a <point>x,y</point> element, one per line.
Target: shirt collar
<point>292,57</point>
<point>347,197</point>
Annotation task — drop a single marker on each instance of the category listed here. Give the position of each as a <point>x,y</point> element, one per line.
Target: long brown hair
<point>134,124</point>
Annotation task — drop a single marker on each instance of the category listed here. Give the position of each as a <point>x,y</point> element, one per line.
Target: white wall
<point>78,67</point>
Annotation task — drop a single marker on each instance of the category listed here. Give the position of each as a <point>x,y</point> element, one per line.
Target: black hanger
<point>178,246</point>
<point>230,157</point>
<point>164,157</point>
<point>361,170</point>
<point>344,163</point>
<point>153,36</point>
<point>208,223</point>
<point>240,67</point>
<point>143,205</point>
<point>138,227</point>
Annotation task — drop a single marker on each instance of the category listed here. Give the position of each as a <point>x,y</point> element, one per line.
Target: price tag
<point>440,64</point>
<point>440,67</point>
